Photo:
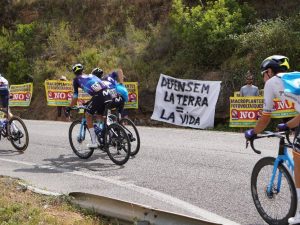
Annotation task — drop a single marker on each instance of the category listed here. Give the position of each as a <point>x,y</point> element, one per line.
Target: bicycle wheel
<point>79,137</point>
<point>133,135</point>
<point>117,144</point>
<point>280,204</point>
<point>17,133</point>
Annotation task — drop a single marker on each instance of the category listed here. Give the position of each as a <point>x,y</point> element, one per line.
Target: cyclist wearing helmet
<point>272,70</point>
<point>114,81</point>
<point>4,94</point>
<point>100,97</point>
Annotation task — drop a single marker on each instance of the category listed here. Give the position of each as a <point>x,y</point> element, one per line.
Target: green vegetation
<point>182,38</point>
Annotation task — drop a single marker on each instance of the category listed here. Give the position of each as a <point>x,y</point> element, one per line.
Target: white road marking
<point>145,191</point>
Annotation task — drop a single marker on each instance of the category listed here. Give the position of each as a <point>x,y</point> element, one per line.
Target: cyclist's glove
<point>283,127</point>
<point>249,134</point>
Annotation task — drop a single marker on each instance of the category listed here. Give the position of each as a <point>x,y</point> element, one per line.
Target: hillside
<point>41,39</point>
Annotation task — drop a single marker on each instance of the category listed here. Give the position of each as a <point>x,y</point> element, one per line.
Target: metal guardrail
<point>131,212</point>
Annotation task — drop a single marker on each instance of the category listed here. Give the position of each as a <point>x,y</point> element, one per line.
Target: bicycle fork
<point>279,160</point>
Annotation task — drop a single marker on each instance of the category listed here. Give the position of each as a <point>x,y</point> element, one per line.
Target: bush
<point>207,32</point>
<point>265,38</point>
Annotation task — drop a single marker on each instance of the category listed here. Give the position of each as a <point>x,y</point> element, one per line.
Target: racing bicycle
<point>131,131</point>
<point>272,185</point>
<point>14,129</point>
<point>113,139</point>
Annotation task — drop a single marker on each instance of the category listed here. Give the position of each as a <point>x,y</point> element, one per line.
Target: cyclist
<point>114,81</point>
<point>272,68</point>
<point>4,94</point>
<point>100,97</point>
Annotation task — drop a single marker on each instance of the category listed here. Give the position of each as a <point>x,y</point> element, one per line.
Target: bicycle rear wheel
<point>280,204</point>
<point>17,133</point>
<point>117,144</point>
<point>79,137</point>
<point>133,135</point>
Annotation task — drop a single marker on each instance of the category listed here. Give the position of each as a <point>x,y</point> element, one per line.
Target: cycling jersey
<point>274,88</point>
<point>89,84</point>
<point>3,84</point>
<point>116,87</point>
<point>4,92</point>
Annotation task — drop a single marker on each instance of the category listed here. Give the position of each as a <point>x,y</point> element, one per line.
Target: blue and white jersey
<point>4,87</point>
<point>89,84</point>
<point>115,87</point>
<point>285,86</point>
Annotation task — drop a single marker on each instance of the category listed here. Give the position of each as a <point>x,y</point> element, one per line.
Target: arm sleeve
<point>75,87</point>
<point>114,75</point>
<point>268,98</point>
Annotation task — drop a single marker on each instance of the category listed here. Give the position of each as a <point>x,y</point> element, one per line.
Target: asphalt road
<point>183,170</point>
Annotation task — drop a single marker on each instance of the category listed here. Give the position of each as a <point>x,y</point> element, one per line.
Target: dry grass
<point>21,206</point>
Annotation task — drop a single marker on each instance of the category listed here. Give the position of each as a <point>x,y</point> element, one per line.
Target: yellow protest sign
<point>133,96</point>
<point>20,95</point>
<point>245,111</point>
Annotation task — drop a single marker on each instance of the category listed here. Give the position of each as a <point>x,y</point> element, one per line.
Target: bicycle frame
<point>283,157</point>
<point>81,132</point>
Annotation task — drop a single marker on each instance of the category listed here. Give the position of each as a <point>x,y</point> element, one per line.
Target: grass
<point>19,205</point>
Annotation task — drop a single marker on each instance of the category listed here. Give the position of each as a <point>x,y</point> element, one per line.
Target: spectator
<point>249,89</point>
<point>61,116</point>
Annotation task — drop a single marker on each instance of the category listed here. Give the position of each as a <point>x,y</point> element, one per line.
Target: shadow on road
<point>68,163</point>
<point>10,152</point>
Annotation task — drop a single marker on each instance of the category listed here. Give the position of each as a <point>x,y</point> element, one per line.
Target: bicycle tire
<point>15,138</point>
<point>115,137</point>
<point>124,122</point>
<point>88,152</point>
<point>289,208</point>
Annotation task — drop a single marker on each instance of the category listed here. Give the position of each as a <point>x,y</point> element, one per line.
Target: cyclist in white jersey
<point>271,69</point>
<point>4,94</point>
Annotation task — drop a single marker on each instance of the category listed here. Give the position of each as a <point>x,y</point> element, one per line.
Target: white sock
<point>93,134</point>
<point>14,127</point>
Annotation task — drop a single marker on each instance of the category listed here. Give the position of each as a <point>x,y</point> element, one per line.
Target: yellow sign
<point>245,111</point>
<point>60,93</point>
<point>20,94</point>
<point>133,95</point>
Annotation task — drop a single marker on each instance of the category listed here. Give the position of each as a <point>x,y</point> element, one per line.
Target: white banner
<point>189,103</point>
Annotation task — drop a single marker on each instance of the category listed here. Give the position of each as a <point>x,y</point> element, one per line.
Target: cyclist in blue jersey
<point>100,97</point>
<point>4,94</point>
<point>114,81</point>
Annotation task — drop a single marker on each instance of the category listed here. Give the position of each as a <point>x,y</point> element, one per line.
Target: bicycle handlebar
<point>268,134</point>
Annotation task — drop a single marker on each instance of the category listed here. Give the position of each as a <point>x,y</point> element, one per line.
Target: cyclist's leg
<point>91,109</point>
<point>296,154</point>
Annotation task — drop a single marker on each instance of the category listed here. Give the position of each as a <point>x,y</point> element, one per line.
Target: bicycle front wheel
<point>117,144</point>
<point>79,137</point>
<point>17,133</point>
<point>133,135</point>
<point>280,203</point>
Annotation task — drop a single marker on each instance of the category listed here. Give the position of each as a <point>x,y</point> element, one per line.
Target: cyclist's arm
<point>265,119</point>
<point>262,123</point>
<point>294,122</point>
<point>75,94</point>
<point>120,76</point>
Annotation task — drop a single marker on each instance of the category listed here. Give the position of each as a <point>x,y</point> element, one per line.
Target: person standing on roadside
<point>61,116</point>
<point>249,89</point>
